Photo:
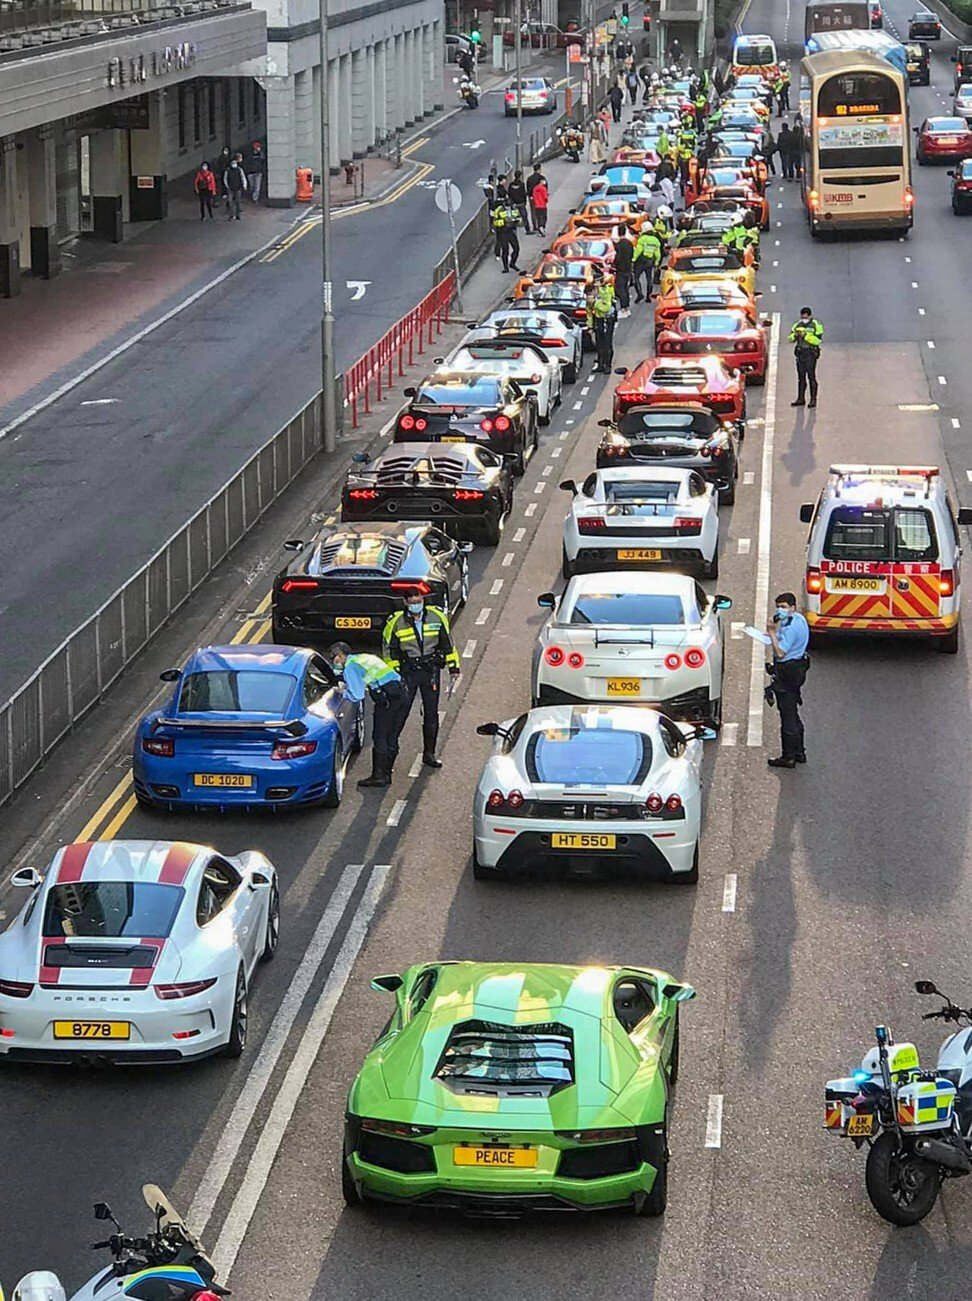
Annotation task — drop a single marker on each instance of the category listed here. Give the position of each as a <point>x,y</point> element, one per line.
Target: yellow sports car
<point>687,264</point>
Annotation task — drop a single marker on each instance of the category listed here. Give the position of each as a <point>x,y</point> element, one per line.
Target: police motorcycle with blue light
<point>917,1124</point>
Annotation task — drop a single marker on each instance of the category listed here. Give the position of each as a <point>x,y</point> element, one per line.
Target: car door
<point>323,699</point>
<point>228,911</point>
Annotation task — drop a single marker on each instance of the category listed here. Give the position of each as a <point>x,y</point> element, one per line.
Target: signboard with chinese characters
<point>140,68</point>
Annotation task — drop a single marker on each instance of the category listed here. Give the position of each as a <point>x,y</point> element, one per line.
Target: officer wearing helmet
<point>39,1285</point>
<point>417,642</point>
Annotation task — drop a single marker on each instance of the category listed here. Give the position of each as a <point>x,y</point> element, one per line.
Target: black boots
<point>381,771</point>
<point>430,761</point>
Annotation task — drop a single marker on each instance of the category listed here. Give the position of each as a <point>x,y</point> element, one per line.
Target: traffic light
<point>625,16</point>
<point>475,35</point>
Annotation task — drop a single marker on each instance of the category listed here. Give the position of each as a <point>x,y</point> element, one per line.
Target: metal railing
<point>62,19</point>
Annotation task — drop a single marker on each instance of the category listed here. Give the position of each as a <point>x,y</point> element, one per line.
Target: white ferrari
<point>525,363</point>
<point>590,788</point>
<point>135,951</point>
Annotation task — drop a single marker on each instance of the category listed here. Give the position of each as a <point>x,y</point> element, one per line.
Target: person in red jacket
<point>539,199</point>
<point>205,187</point>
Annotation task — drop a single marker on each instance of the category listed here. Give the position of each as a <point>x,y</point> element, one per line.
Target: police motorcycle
<point>468,92</point>
<point>571,140</point>
<point>917,1124</point>
<point>171,1252</point>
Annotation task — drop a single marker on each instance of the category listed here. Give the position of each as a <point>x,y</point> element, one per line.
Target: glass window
<point>211,87</point>
<point>228,691</point>
<point>470,391</point>
<point>626,491</point>
<point>316,687</point>
<point>112,909</point>
<point>752,54</point>
<point>257,100</point>
<point>241,97</point>
<point>588,756</point>
<point>864,92</point>
<point>855,533</point>
<point>914,535</point>
<point>711,323</point>
<point>948,125</point>
<point>641,609</point>
<point>196,112</point>
<point>481,1055</point>
<point>967,170</point>
<point>219,883</point>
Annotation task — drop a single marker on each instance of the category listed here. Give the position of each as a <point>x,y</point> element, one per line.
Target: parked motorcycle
<point>571,141</point>
<point>469,93</point>
<point>917,1124</point>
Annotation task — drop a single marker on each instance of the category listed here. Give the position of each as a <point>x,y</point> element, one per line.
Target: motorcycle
<point>571,141</point>
<point>917,1124</point>
<point>171,1249</point>
<point>469,93</point>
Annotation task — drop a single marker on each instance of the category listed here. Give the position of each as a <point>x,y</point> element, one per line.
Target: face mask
<point>414,608</point>
<point>783,611</point>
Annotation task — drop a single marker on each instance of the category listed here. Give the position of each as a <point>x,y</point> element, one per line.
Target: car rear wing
<point>290,727</point>
<point>618,507</point>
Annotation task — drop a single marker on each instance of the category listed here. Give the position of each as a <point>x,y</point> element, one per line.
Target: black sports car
<point>918,63</point>
<point>925,26</point>
<point>350,578</point>
<point>466,490</point>
<point>686,436</point>
<point>453,406</point>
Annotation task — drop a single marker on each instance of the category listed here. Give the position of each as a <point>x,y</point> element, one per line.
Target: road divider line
<point>497,587</point>
<point>556,452</point>
<point>729,893</point>
<point>743,546</point>
<point>754,734</point>
<point>713,1121</point>
<point>729,733</point>
<point>508,559</point>
<point>105,807</point>
<point>398,808</point>
<point>519,535</point>
<point>416,767</point>
<point>281,1113</point>
<point>220,1164</point>
<point>956,423</point>
<point>540,486</point>
<point>531,509</point>
<point>119,820</point>
<point>547,471</point>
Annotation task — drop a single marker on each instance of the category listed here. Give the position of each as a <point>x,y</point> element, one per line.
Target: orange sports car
<point>605,214</point>
<point>587,248</point>
<point>724,332</point>
<point>671,380</point>
<point>699,295</point>
<point>687,264</point>
<point>557,270</point>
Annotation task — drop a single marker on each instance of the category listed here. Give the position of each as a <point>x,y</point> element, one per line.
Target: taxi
<point>699,295</point>
<point>883,554</point>
<point>724,332</point>
<point>685,265</point>
<point>672,381</point>
<point>606,214</point>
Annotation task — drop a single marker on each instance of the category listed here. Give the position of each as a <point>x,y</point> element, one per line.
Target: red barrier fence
<point>387,359</point>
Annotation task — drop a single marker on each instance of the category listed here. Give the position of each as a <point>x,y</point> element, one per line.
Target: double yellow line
<point>115,810</point>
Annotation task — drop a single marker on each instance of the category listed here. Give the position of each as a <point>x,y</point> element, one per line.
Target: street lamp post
<point>328,396</point>
<point>517,45</point>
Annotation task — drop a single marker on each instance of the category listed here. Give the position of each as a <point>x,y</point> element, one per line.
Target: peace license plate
<point>624,686</point>
<point>843,583</point>
<point>235,780</point>
<point>517,1158</point>
<point>349,621</point>
<point>582,840</point>
<point>92,1030</point>
<point>640,553</point>
<point>860,1126</point>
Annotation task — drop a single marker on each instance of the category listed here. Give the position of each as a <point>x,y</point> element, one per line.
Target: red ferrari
<point>727,333</point>
<point>673,380</point>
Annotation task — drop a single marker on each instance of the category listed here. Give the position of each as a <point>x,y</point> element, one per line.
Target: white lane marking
<point>469,650</point>
<point>779,223</point>
<point>749,477</point>
<point>540,487</point>
<point>519,535</point>
<point>277,1122</point>
<point>779,205</point>
<point>531,509</point>
<point>578,405</point>
<point>585,390</point>
<point>564,435</point>
<point>547,471</point>
<point>729,893</point>
<point>729,733</point>
<point>772,289</point>
<point>497,587</point>
<point>942,379</point>
<point>331,521</point>
<point>100,402</point>
<point>931,343</point>
<point>387,427</point>
<point>483,616</point>
<point>754,734</point>
<point>508,559</point>
<point>220,1164</point>
<point>956,423</point>
<point>776,242</point>
<point>914,284</point>
<point>566,422</point>
<point>776,264</point>
<point>736,629</point>
<point>743,546</point>
<point>416,767</point>
<point>398,808</point>
<point>713,1122</point>
<point>907,259</point>
<point>555,452</point>
<point>921,311</point>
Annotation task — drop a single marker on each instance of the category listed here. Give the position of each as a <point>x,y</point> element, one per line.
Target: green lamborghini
<point>507,1087</point>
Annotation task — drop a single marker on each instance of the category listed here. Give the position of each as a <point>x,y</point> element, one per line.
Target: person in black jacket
<point>623,258</point>
<point>517,195</point>
<point>616,99</point>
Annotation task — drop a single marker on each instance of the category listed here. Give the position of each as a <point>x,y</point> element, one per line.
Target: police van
<point>883,554</point>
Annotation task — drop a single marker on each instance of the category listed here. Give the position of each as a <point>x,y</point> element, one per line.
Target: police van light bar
<point>885,471</point>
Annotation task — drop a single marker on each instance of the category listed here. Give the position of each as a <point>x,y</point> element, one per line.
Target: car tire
<point>727,496</point>
<point>482,873</point>
<point>237,1036</point>
<point>335,790</point>
<point>272,938</point>
<point>714,719</point>
<point>493,530</point>
<point>758,381</point>
<point>691,877</point>
<point>358,737</point>
<point>545,418</point>
<point>656,1201</point>
<point>711,569</point>
<point>349,1189</point>
<point>949,644</point>
<point>149,806</point>
<point>566,565</point>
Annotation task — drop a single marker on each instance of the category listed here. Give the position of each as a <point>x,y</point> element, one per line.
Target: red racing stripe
<point>177,863</point>
<point>73,859</point>
<point>141,976</point>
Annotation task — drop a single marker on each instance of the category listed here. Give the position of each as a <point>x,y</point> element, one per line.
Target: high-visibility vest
<point>499,217</point>
<point>399,639</point>
<point>812,333</point>
<point>648,247</point>
<point>603,303</point>
<point>377,672</point>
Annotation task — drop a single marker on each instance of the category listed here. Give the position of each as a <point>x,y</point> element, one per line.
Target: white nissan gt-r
<point>633,517</point>
<point>590,787</point>
<point>135,951</point>
<point>652,639</point>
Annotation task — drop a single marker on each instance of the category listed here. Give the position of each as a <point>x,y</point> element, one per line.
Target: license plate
<point>355,621</point>
<point>236,780</point>
<point>860,1126</point>
<point>640,553</point>
<point>92,1030</point>
<point>519,1158</point>
<point>452,438</point>
<point>841,584</point>
<point>582,840</point>
<point>624,686</point>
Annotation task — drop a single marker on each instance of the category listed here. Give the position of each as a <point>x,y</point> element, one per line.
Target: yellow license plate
<point>640,553</point>
<point>582,840</point>
<point>841,584</point>
<point>518,1158</point>
<point>452,438</point>
<point>624,686</point>
<point>860,1126</point>
<point>349,621</point>
<point>236,780</point>
<point>92,1030</point>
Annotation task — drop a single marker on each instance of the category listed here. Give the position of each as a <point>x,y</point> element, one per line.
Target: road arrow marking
<point>359,287</point>
<point>473,144</point>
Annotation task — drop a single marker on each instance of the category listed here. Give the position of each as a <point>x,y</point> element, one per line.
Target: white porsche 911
<point>633,517</point>
<point>592,788</point>
<point>526,363</point>
<point>135,951</point>
<point>652,639</point>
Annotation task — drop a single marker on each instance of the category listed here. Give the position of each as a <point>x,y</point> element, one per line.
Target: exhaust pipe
<point>944,1154</point>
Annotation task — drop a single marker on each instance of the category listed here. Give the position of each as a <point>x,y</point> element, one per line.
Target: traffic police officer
<point>371,675</point>
<point>601,317</point>
<point>807,336</point>
<point>789,635</point>
<point>646,261</point>
<point>417,641</point>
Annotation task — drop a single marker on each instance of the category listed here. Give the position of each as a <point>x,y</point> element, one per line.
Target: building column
<point>359,111</point>
<point>109,185</point>
<point>438,64</point>
<point>281,143</point>
<point>304,153</point>
<point>9,220</point>
<point>417,81</point>
<point>148,198</point>
<point>392,76</point>
<point>369,99</point>
<point>407,82</point>
<point>45,253</point>
<point>335,112</point>
<point>380,88</point>
<point>345,139</point>
<point>317,82</point>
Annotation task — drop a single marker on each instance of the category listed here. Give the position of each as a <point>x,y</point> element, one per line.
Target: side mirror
<point>409,392</point>
<point>259,881</point>
<point>471,325</point>
<point>965,515</point>
<point>568,485</point>
<point>360,458</point>
<point>169,675</point>
<point>488,729</point>
<point>102,1211</point>
<point>767,322</point>
<point>680,993</point>
<point>532,393</point>
<point>387,984</point>
<point>547,601</point>
<point>806,512</point>
<point>723,602</point>
<point>949,173</point>
<point>27,877</point>
<point>706,734</point>
<point>927,987</point>
<point>571,211</point>
<point>438,361</point>
<point>465,547</point>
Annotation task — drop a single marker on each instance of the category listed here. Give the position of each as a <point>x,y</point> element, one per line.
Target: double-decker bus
<point>856,42</point>
<point>857,168</point>
<point>835,16</point>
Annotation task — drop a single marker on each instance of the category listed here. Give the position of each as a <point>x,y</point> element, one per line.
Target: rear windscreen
<point>711,323</point>
<point>571,756</point>
<point>657,424</point>
<point>112,909</point>
<point>229,692</point>
<point>864,533</point>
<point>469,393</point>
<point>640,609</point>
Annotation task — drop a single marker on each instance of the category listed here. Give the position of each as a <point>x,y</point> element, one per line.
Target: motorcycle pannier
<point>838,1095</point>
<point>925,1105</point>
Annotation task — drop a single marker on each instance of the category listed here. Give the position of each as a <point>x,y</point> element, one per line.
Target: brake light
<point>495,800</point>
<point>591,523</point>
<point>467,494</point>
<point>909,197</point>
<point>580,313</point>
<point>293,749</point>
<point>552,343</point>
<point>501,424</point>
<point>576,660</point>
<point>654,803</point>
<point>16,988</point>
<point>815,582</point>
<point>185,990</point>
<point>514,800</point>
<point>486,425</point>
<point>674,803</point>
<point>534,379</point>
<point>407,422</point>
<point>813,198</point>
<point>685,524</point>
<point>363,494</point>
<point>742,347</point>
<point>670,345</point>
<point>400,585</point>
<point>946,582</point>
<point>706,451</point>
<point>694,657</point>
<point>299,585</point>
<point>673,662</point>
<point>421,423</point>
<point>162,747</point>
<point>554,656</point>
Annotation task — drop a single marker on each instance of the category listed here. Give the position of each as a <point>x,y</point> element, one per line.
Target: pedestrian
<point>623,262</point>
<point>596,148</point>
<point>517,195</point>
<point>365,674</point>
<point>675,51</point>
<point>789,636</point>
<point>536,178</point>
<point>220,166</point>
<point>616,100</point>
<point>784,145</point>
<point>234,183</point>
<point>204,184</point>
<point>256,170</point>
<point>666,183</point>
<point>539,202</point>
<point>784,91</point>
<point>799,138</point>
<point>417,642</point>
<point>644,75</point>
<point>466,64</point>
<point>769,149</point>
<point>806,335</point>
<point>631,82</point>
<point>602,313</point>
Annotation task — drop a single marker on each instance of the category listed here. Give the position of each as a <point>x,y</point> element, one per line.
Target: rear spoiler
<point>609,507</point>
<point>292,726</point>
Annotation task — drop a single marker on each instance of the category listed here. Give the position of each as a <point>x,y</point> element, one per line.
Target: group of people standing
<point>515,203</point>
<point>231,178</point>
<point>790,145</point>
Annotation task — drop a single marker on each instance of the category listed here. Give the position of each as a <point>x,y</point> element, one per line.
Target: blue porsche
<point>248,726</point>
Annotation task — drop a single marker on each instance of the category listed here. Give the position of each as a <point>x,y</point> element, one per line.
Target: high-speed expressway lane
<point>824,891</point>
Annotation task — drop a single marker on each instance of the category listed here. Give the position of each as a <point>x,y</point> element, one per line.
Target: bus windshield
<point>837,15</point>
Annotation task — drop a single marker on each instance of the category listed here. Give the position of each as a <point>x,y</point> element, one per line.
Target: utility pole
<point>517,45</point>
<point>328,407</point>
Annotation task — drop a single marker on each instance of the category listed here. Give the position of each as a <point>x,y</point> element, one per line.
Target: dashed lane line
<point>743,546</point>
<point>729,893</point>
<point>483,616</point>
<point>508,559</point>
<point>713,1122</point>
<point>531,509</point>
<point>397,809</point>
<point>469,650</point>
<point>519,535</point>
<point>729,734</point>
<point>497,587</point>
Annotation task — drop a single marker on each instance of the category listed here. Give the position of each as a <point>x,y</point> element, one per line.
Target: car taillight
<point>554,656</point>
<point>467,494</point>
<point>591,523</point>
<point>694,657</point>
<point>401,585</point>
<point>686,524</point>
<point>16,988</point>
<point>670,345</point>
<point>398,1129</point>
<point>576,660</point>
<point>580,313</point>
<point>486,425</point>
<point>742,347</point>
<point>501,424</point>
<point>514,800</point>
<point>293,749</point>
<point>534,379</point>
<point>421,423</point>
<point>673,662</point>
<point>184,990</point>
<point>163,747</point>
<point>673,803</point>
<point>628,399</point>
<point>299,585</point>
<point>598,1135</point>
<point>815,582</point>
<point>552,343</point>
<point>407,422</point>
<point>654,803</point>
<point>706,451</point>
<point>946,582</point>
<point>495,800</point>
<point>363,494</point>
<point>813,198</point>
<point>909,196</point>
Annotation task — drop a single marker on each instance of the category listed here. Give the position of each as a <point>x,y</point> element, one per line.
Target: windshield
<point>659,424</point>
<point>229,692</point>
<point>718,323</point>
<point>966,173</point>
<point>865,533</point>
<point>640,609</point>
<point>724,261</point>
<point>753,54</point>
<point>588,756</point>
<point>112,909</point>
<point>626,490</point>
<point>466,392</point>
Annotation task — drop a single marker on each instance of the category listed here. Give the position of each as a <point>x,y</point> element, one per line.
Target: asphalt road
<point>851,878</point>
<point>105,485</point>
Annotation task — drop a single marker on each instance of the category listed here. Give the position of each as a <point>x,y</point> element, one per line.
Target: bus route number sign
<point>853,110</point>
